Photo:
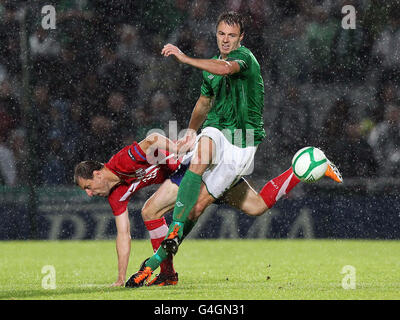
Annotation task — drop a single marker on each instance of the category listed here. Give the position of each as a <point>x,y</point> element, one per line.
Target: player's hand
<point>186,143</point>
<point>118,283</point>
<point>170,49</point>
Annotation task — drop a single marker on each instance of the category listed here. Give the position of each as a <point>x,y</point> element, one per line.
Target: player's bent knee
<point>145,215</point>
<point>255,211</point>
<point>148,214</point>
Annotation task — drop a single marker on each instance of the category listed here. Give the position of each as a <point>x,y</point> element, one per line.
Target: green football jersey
<point>238,100</point>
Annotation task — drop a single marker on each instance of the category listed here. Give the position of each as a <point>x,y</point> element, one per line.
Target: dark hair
<point>85,169</point>
<point>231,18</point>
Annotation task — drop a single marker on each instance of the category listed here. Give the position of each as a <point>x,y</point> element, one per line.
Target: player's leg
<point>153,211</point>
<point>202,156</point>
<point>162,201</point>
<point>171,244</point>
<point>162,254</point>
<point>188,193</point>
<point>190,186</point>
<point>245,198</point>
<point>203,201</point>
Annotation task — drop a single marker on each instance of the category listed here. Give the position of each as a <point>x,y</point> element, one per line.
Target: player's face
<point>96,186</point>
<point>228,38</point>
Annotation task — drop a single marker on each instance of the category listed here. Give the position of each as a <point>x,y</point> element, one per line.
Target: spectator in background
<point>9,104</point>
<point>356,156</point>
<point>146,120</point>
<point>76,133</point>
<point>199,19</point>
<point>293,123</point>
<point>41,109</point>
<point>10,119</point>
<point>320,34</point>
<point>6,123</point>
<point>130,48</point>
<point>153,77</point>
<point>387,93</point>
<point>9,37</point>
<point>288,51</point>
<point>120,114</point>
<point>91,97</point>
<point>42,124</point>
<point>350,49</point>
<point>8,171</point>
<point>332,127</point>
<point>344,138</point>
<point>43,44</point>
<point>385,141</point>
<point>17,142</point>
<point>53,171</point>
<point>115,73</point>
<point>100,142</point>
<point>386,48</point>
<point>64,74</point>
<point>161,108</point>
<point>7,160</point>
<point>44,51</point>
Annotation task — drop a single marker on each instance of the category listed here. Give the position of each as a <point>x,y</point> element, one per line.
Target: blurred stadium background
<point>97,81</point>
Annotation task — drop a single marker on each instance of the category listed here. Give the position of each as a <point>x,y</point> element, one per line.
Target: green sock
<point>155,260</point>
<point>160,255</point>
<point>188,194</point>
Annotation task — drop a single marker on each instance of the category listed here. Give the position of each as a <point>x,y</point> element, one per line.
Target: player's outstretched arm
<point>214,66</point>
<point>123,245</point>
<point>199,114</point>
<point>158,141</point>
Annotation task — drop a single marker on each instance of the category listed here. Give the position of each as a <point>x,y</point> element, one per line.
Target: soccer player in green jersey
<point>229,110</point>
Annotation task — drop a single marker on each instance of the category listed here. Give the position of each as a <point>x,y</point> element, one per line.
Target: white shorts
<point>228,165</point>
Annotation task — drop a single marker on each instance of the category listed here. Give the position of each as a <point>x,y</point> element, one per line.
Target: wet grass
<point>208,269</point>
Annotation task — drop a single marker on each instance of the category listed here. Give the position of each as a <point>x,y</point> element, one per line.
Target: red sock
<point>278,187</point>
<point>158,230</point>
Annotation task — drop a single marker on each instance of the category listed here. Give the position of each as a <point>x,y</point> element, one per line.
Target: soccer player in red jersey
<point>124,174</point>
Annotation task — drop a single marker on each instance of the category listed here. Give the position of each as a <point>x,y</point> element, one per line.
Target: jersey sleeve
<point>127,159</point>
<point>118,207</point>
<point>136,153</point>
<point>206,89</point>
<point>242,57</point>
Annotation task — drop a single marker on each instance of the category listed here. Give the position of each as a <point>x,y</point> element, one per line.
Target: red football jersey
<point>131,166</point>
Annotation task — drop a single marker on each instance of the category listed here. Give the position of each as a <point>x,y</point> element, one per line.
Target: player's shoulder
<point>242,48</point>
<point>241,52</point>
<point>127,159</point>
<point>246,60</point>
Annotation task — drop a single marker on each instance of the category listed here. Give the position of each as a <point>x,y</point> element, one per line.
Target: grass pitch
<point>208,269</point>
